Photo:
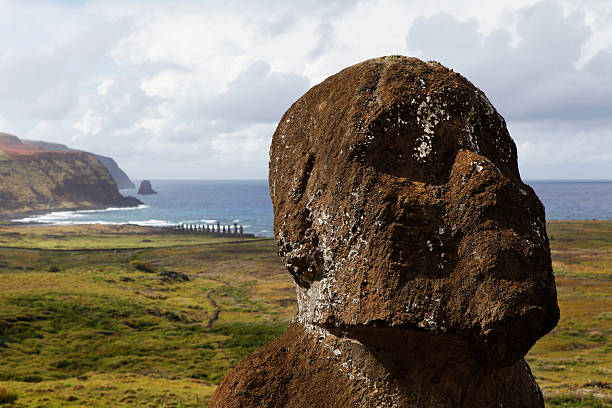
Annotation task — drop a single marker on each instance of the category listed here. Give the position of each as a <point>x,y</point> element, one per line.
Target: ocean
<point>248,204</point>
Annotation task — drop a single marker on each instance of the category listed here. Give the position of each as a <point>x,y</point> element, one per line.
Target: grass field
<point>573,364</point>
<point>98,316</point>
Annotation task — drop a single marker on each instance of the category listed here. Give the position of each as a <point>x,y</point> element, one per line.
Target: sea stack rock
<point>145,188</point>
<point>421,261</point>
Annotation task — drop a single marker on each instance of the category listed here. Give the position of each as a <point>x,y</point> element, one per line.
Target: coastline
<point>12,216</point>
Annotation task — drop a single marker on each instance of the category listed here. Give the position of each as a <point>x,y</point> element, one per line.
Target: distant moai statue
<point>224,229</point>
<point>235,228</point>
<point>207,228</point>
<point>241,230</point>
<point>218,226</point>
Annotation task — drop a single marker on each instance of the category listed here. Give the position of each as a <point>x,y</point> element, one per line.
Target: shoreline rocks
<point>146,188</point>
<point>421,261</point>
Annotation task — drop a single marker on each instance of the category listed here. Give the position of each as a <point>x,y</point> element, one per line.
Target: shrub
<point>142,265</point>
<point>7,397</point>
<point>572,401</point>
<point>54,269</point>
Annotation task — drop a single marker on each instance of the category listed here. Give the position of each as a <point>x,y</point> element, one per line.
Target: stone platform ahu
<point>421,260</point>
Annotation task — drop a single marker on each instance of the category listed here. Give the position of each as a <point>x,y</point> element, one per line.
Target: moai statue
<point>218,226</point>
<point>235,228</point>
<point>420,258</point>
<point>241,230</point>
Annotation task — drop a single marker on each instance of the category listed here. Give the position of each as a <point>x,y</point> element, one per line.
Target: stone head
<point>398,203</point>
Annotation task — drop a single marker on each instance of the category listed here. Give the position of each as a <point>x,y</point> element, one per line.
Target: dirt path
<point>215,315</point>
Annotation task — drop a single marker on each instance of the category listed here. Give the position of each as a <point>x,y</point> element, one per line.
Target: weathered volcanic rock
<point>146,188</point>
<point>421,260</point>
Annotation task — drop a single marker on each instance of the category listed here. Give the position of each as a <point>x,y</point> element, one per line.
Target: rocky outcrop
<point>421,261</point>
<point>122,179</point>
<point>33,179</point>
<point>146,188</point>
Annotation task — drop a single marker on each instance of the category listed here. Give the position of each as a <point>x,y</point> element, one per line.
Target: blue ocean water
<point>185,202</point>
<point>248,203</point>
<point>575,200</point>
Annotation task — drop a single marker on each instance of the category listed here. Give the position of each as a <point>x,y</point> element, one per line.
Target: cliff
<point>122,179</point>
<point>35,179</point>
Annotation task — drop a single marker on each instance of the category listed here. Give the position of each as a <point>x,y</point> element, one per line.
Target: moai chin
<point>420,258</point>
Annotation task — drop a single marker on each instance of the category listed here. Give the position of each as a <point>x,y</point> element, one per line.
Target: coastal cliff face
<point>122,179</point>
<point>33,179</point>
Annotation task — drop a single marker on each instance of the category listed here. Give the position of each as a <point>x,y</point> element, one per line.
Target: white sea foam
<point>140,207</point>
<point>56,217</point>
<point>152,223</point>
<point>144,223</point>
<point>209,221</point>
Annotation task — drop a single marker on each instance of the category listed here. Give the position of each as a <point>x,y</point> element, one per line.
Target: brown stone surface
<point>421,261</point>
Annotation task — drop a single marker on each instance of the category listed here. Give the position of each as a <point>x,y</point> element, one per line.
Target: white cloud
<point>244,145</point>
<point>6,126</point>
<point>170,87</point>
<point>104,86</point>
<point>90,124</point>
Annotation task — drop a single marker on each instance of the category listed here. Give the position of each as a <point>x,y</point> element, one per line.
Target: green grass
<point>572,401</point>
<point>131,327</point>
<point>573,363</point>
<point>7,397</point>
<point>128,324</point>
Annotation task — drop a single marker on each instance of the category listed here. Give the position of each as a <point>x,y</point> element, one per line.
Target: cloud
<point>243,145</point>
<point>326,33</point>
<point>538,79</point>
<point>277,26</point>
<point>46,84</point>
<point>193,89</point>
<point>104,85</point>
<point>6,126</point>
<point>258,95</point>
<point>90,124</point>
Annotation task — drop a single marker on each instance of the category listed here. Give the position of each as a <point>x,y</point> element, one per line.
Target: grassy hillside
<point>160,319</point>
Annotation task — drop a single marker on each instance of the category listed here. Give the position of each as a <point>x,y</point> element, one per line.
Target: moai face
<point>398,203</point>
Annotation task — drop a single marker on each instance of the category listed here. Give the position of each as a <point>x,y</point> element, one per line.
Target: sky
<point>195,89</point>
